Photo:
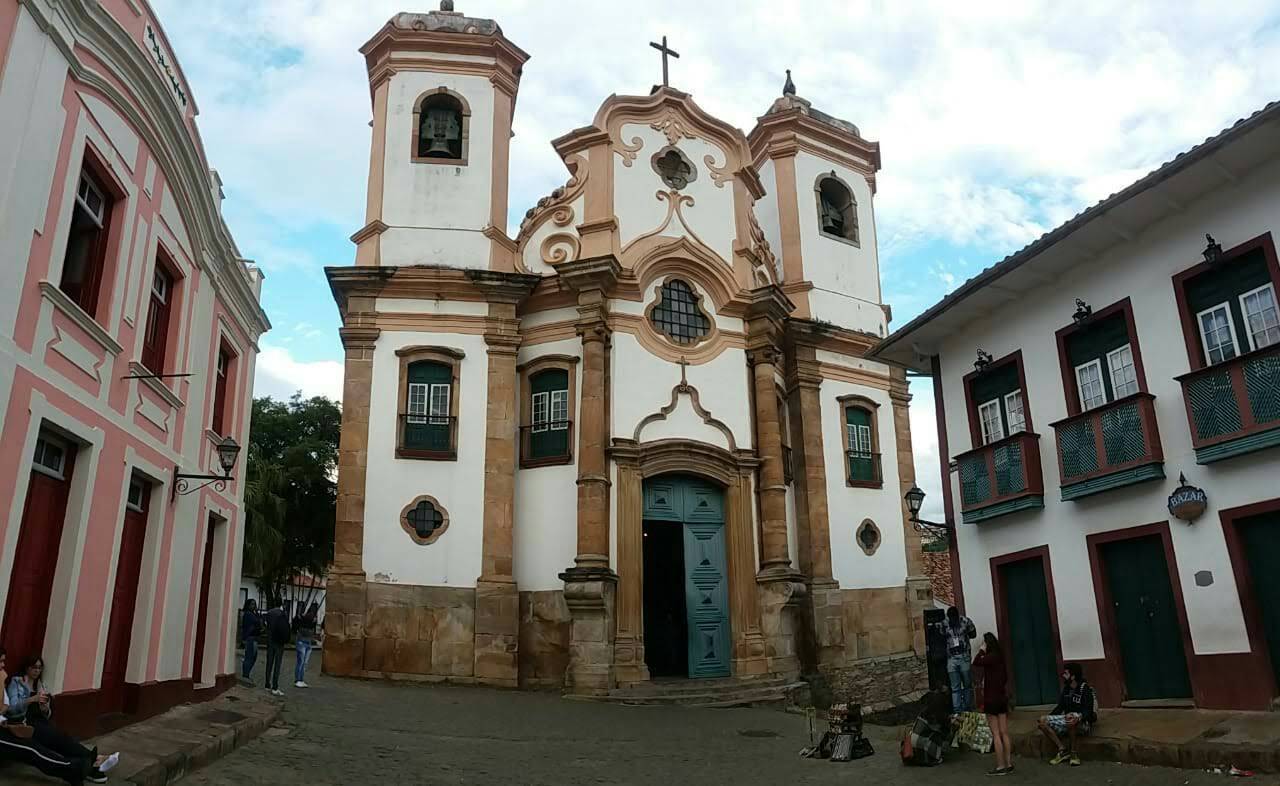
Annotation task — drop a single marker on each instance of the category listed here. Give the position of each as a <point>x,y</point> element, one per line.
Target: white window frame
<point>1231,330</point>
<point>1111,369</point>
<point>1022,411</point>
<point>558,411</point>
<point>1102,385</point>
<point>417,414</point>
<point>87,184</point>
<point>1248,329</point>
<point>858,439</point>
<point>541,411</point>
<point>439,415</point>
<point>160,285</point>
<point>59,472</point>
<point>142,490</point>
<point>987,436</point>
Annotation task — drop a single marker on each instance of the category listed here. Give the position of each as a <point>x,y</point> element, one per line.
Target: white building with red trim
<point>1077,383</point>
<point>128,336</point>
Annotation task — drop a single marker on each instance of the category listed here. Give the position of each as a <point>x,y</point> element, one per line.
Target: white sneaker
<point>300,684</point>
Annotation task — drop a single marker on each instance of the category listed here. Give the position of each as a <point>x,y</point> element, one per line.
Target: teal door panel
<point>1261,539</point>
<point>1146,619</point>
<point>703,503</point>
<point>1032,654</point>
<point>706,599</point>
<point>663,500</point>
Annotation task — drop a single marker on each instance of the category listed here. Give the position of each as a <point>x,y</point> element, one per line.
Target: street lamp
<point>1213,251</point>
<point>915,500</point>
<point>228,452</point>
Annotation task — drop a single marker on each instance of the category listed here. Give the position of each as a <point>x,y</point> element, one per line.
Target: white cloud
<point>280,375</point>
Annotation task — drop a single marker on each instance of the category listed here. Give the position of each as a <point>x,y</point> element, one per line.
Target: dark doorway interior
<point>666,637</point>
<point>1260,536</point>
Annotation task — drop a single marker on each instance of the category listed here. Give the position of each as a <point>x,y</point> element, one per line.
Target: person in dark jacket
<point>304,626</point>
<point>1074,714</point>
<point>250,630</point>
<point>277,622</point>
<point>995,700</point>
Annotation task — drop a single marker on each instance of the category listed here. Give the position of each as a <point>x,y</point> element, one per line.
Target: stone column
<point>752,651</point>
<point>590,583</point>
<point>497,620</point>
<point>774,554</point>
<point>344,621</point>
<point>628,647</point>
<point>824,612</point>
<point>919,590</point>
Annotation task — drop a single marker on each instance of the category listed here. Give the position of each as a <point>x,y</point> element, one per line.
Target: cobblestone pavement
<point>350,731</point>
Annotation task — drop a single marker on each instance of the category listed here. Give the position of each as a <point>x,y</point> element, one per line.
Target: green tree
<point>290,491</point>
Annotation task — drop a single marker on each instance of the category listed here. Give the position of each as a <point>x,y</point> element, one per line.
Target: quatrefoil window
<point>868,537</point>
<point>425,520</point>
<point>674,167</point>
<point>678,314</point>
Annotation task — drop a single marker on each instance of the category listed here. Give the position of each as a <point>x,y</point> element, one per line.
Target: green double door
<point>698,508</point>
<point>1260,536</point>
<point>1146,619</point>
<point>1033,658</point>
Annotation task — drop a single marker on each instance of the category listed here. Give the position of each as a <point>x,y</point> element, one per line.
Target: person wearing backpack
<point>278,632</point>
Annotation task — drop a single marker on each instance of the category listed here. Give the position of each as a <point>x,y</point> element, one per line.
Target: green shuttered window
<point>549,405</point>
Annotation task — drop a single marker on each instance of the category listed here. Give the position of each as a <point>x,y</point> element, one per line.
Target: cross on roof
<point>665,51</point>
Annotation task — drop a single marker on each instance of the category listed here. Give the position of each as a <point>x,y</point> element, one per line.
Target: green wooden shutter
<point>1094,342</point>
<point>996,384</point>
<point>426,433</point>
<point>858,448</point>
<point>1226,284</point>
<point>549,430</point>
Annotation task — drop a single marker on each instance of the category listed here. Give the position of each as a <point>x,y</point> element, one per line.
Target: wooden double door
<point>1145,618</point>
<point>685,571</point>
<point>1260,539</point>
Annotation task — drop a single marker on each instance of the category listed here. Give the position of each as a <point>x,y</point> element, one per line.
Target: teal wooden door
<point>1032,654</point>
<point>699,507</point>
<point>1261,539</point>
<point>1146,620</point>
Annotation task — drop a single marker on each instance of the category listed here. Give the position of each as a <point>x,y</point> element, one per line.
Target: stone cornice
<point>374,227</point>
<point>599,273</point>
<point>794,127</point>
<point>359,337</point>
<point>500,287</point>
<point>824,335</point>
<point>175,144</point>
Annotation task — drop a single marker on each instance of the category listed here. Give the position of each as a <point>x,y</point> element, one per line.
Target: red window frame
<point>971,405</point>
<point>222,375</point>
<point>1070,385</point>
<point>155,333</point>
<point>1190,331</point>
<point>87,293</point>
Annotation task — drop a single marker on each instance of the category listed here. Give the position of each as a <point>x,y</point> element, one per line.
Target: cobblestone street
<point>346,731</point>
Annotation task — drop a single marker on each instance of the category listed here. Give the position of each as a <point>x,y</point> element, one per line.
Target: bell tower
<point>444,91</point>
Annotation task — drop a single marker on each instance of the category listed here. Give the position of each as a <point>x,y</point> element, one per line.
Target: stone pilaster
<point>590,585</point>
<point>919,589</point>
<point>344,620</point>
<point>628,648</point>
<point>765,316</point>
<point>782,614</point>
<point>750,647</point>
<point>497,616</point>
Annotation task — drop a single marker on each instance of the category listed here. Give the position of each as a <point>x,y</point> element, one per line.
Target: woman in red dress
<point>995,701</point>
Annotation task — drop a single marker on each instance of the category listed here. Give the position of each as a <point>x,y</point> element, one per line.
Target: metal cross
<point>665,51</point>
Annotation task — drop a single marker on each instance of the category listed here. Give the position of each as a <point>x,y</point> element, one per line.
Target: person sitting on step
<point>29,703</point>
<point>17,745</point>
<point>1074,714</point>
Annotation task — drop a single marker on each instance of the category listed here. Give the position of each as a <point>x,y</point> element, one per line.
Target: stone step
<point>738,694</point>
<point>693,686</point>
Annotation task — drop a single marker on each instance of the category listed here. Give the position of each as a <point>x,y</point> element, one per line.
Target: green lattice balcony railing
<point>1106,446</point>
<point>1234,407</point>
<point>1001,477</point>
<point>427,437</point>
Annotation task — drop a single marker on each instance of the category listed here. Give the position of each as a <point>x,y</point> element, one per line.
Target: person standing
<point>277,622</point>
<point>250,629</point>
<point>960,659</point>
<point>1074,714</point>
<point>995,701</point>
<point>304,626</point>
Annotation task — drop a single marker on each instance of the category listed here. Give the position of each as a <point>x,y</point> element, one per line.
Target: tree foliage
<point>290,490</point>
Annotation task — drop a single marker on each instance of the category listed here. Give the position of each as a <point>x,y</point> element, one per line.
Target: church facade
<point>640,439</point>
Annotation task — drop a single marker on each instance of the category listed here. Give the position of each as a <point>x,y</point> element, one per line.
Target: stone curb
<point>1192,755</point>
<point>175,765</point>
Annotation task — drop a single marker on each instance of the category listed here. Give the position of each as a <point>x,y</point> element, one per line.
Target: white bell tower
<point>444,91</point>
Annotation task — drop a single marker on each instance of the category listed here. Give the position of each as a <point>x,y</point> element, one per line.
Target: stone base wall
<point>544,640</point>
<point>877,622</point>
<point>879,683</point>
<point>419,630</point>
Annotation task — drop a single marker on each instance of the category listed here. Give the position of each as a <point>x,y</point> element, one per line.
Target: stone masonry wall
<point>877,622</point>
<point>417,630</point>
<point>544,640</point>
<point>879,683</point>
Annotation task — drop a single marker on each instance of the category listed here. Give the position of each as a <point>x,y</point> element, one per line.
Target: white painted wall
<point>846,278</point>
<point>766,211</point>
<point>847,507</point>
<point>435,212</point>
<point>1141,270</point>
<point>390,555</point>
<point>709,219</point>
<point>546,523</point>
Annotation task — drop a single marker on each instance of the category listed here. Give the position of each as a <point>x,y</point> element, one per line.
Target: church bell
<point>440,130</point>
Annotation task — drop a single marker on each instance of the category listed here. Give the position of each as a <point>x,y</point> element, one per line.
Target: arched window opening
<point>678,315</point>
<point>837,210</point>
<point>861,444</point>
<point>440,127</point>
<point>549,407</point>
<point>428,425</point>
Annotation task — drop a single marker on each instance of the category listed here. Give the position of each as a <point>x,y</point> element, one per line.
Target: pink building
<point>128,336</point>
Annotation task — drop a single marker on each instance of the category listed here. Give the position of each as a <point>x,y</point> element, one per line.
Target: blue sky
<point>997,121</point>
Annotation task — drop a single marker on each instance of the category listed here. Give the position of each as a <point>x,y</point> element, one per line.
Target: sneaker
<point>997,771</point>
<point>299,684</point>
<point>109,763</point>
<point>95,776</point>
<point>1075,760</point>
<point>1060,757</point>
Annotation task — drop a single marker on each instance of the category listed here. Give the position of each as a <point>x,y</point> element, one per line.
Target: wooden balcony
<point>1001,478</point>
<point>1108,447</point>
<point>428,437</point>
<point>1233,408</point>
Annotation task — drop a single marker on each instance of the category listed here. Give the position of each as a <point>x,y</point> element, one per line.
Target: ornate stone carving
<point>672,127</point>
<point>556,205</point>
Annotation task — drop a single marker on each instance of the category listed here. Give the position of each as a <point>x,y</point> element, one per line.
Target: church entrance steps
<point>726,692</point>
